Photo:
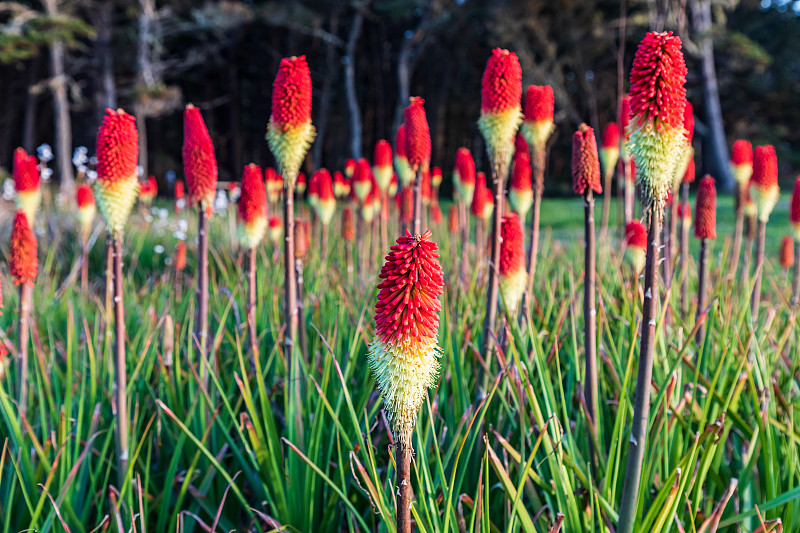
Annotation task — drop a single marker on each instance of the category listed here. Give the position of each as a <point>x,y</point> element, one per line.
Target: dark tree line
<point>62,62</point>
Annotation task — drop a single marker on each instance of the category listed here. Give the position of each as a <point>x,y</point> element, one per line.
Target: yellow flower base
<point>116,200</point>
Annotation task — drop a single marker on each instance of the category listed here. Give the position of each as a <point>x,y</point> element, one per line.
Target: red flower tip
<point>539,103</point>
<point>688,176</point>
<point>253,199</point>
<point>180,256</point>
<point>787,253</point>
<point>418,136</point>
<point>765,167</point>
<point>425,188</point>
<point>436,214</point>
<point>625,114</point>
<point>291,93</point>
<point>407,205</point>
<point>657,78</point>
<point>348,225</point>
<point>794,210</point>
<point>512,249</point>
<point>685,211</point>
<point>408,302</point>
<point>465,166</point>
<point>84,196</point>
<point>363,172</point>
<point>585,162</point>
<point>301,232</point>
<point>636,235</point>
<point>520,144</point>
<point>117,147</point>
<point>742,152</point>
<point>400,141</point>
<point>324,184</point>
<point>501,86</point>
<point>349,167</point>
<point>26,171</point>
<point>383,154</point>
<point>274,222</point>
<point>688,122</point>
<point>705,219</point>
<point>179,190</point>
<point>452,220</point>
<point>482,198</point>
<point>611,135</point>
<point>24,260</point>
<point>199,161</point>
<point>521,173</point>
<point>436,176</point>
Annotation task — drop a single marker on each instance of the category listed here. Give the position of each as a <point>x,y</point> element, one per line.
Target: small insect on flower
<point>705,220</point>
<point>27,183</point>
<point>764,183</point>
<point>86,209</point>
<point>404,354</point>
<point>537,125</point>
<point>464,175</point>
<point>787,253</point>
<point>742,161</point>
<point>117,183</point>
<point>636,245</point>
<point>418,135</point>
<point>252,208</point>
<point>513,275</point>
<point>24,259</point>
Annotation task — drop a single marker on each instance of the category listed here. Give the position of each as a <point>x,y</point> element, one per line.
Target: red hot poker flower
<point>464,174</point>
<point>452,220</point>
<point>180,192</point>
<point>537,125</point>
<point>252,207</point>
<point>348,225</point>
<point>199,161</point>
<point>291,94</point>
<point>501,86</point>
<point>705,218</point>
<point>418,135</point>
<point>382,164</point>
<point>513,276</point>
<point>609,151</point>
<point>611,136</point>
<point>787,253</point>
<point>407,205</point>
<point>84,196</point>
<point>624,115</point>
<point>688,176</point>
<point>520,144</point>
<point>585,161</point>
<point>180,256</point>
<point>24,260</point>
<point>86,209</point>
<point>520,194</point>
<point>794,209</point>
<point>688,122</point>
<point>26,172</point>
<point>764,182</point>
<point>636,245</point>
<point>117,156</point>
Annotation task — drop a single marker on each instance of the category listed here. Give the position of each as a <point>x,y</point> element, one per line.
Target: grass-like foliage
<point>501,445</point>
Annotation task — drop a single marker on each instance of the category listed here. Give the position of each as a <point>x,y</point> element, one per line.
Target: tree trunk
<point>107,96</point>
<point>325,95</point>
<point>718,152</point>
<point>58,86</point>
<point>350,85</point>
<point>31,108</point>
<point>145,76</point>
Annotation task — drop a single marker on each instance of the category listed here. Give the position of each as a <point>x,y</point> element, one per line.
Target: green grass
<point>256,451</point>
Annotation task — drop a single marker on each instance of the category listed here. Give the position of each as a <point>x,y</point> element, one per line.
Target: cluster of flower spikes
<point>117,183</point>
<point>404,354</point>
<point>537,124</point>
<point>27,183</point>
<point>764,182</point>
<point>401,166</point>
<point>794,209</point>
<point>252,207</point>
<point>656,128</point>
<point>464,175</point>
<point>513,276</point>
<point>382,164</point>
<point>585,162</point>
<point>501,114</point>
<point>609,149</point>
<point>23,257</point>
<point>87,209</point>
<point>520,192</point>
<point>705,210</point>
<point>290,131</point>
<point>199,160</point>
<point>636,245</point>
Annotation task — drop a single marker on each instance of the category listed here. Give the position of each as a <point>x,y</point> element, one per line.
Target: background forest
<point>63,62</point>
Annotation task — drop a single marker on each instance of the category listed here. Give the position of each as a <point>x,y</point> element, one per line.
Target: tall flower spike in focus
<point>513,276</point>
<point>418,135</point>
<point>538,125</point>
<point>585,162</point>
<point>609,151</point>
<point>764,182</point>
<point>117,185</point>
<point>86,209</point>
<point>705,211</point>
<point>520,193</point>
<point>501,114</point>
<point>199,160</point>
<point>404,354</point>
<point>290,131</point>
<point>382,164</point>
<point>23,257</point>
<point>252,208</point>
<point>656,128</point>
<point>27,183</point>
